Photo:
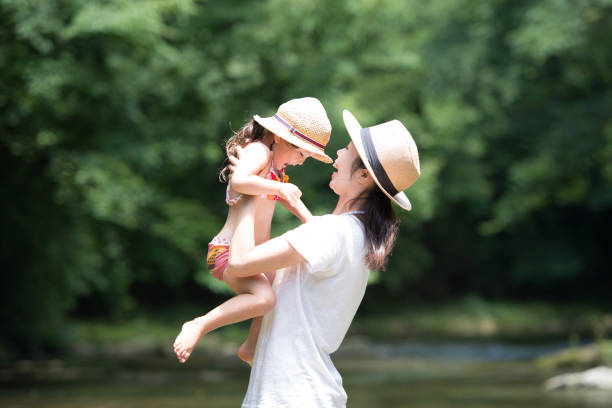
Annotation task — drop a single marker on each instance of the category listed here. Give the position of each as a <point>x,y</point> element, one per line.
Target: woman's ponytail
<point>380,223</point>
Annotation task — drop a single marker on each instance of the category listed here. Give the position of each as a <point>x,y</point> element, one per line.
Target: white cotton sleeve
<point>320,242</point>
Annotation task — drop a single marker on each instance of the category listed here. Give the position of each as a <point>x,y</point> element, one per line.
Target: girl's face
<point>286,154</point>
<point>341,181</point>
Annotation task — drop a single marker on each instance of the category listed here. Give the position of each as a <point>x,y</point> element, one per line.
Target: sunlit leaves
<point>114,113</point>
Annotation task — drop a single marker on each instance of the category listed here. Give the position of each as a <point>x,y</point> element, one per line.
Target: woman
<point>323,266</point>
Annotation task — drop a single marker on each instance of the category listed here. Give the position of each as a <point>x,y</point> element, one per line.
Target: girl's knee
<point>266,300</point>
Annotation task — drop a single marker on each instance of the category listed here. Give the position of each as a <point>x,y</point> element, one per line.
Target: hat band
<point>377,168</point>
<point>296,132</point>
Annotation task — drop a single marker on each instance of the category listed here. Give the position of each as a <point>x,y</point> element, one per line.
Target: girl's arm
<point>244,170</point>
<point>246,259</point>
<point>299,209</point>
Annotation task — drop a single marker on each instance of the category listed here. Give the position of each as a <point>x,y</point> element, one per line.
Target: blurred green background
<point>113,116</point>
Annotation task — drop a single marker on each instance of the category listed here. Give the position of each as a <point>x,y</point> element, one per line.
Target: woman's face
<point>341,179</point>
<point>286,154</point>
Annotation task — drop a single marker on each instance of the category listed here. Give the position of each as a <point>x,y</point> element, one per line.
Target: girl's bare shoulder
<point>258,151</point>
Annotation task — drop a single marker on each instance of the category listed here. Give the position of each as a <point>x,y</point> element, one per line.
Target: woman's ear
<point>364,176</point>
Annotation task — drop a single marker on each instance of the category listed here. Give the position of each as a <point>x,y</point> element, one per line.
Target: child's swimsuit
<point>218,248</point>
<point>218,254</point>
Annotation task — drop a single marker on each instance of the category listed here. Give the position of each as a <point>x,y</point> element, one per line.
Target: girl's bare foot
<point>186,340</point>
<point>246,352</point>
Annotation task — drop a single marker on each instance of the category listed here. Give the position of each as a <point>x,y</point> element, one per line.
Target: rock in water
<point>597,378</point>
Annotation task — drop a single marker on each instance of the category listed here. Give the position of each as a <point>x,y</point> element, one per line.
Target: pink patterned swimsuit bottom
<point>217,257</point>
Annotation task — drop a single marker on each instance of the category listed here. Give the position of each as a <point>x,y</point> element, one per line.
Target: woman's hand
<point>234,160</point>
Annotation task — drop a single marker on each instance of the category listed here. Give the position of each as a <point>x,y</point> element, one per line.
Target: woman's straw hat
<point>302,122</point>
<point>390,155</point>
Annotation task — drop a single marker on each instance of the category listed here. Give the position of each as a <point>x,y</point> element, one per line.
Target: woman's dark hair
<point>380,223</point>
<point>250,132</point>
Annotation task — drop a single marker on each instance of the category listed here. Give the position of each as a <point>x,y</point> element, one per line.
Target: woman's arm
<point>299,209</point>
<point>246,259</point>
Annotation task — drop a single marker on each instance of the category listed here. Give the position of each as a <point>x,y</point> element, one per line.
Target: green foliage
<point>113,115</point>
<point>472,317</point>
<point>589,356</point>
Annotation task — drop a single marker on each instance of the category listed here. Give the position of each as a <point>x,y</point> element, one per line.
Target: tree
<point>113,117</point>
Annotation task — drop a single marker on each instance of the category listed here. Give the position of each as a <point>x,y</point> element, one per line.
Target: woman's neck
<point>347,203</point>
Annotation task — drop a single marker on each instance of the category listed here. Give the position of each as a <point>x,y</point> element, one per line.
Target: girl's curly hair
<point>250,132</point>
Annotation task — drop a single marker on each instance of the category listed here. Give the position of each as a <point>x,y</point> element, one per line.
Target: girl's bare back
<point>264,210</point>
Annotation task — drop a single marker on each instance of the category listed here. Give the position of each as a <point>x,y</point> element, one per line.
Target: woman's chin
<point>332,185</point>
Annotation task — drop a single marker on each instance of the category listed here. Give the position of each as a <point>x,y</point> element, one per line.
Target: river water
<point>407,374</point>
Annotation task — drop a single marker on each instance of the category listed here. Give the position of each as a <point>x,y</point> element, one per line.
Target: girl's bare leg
<point>255,298</point>
<point>247,349</point>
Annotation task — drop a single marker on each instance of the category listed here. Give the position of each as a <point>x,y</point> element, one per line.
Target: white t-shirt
<point>315,304</point>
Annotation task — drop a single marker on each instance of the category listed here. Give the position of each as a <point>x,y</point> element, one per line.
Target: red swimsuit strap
<point>283,179</point>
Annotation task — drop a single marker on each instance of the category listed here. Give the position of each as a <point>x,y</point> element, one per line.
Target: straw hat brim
<point>354,129</point>
<point>277,128</point>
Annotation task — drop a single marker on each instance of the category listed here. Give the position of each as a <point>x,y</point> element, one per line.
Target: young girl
<point>300,129</point>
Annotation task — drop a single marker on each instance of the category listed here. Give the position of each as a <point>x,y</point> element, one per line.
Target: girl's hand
<point>290,192</point>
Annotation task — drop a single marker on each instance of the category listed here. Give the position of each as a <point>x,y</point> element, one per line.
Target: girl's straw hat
<point>302,122</point>
<point>390,155</point>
